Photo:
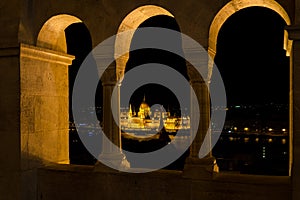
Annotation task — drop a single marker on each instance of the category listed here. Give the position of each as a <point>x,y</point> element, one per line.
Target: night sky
<point>154,93</point>
<point>251,58</point>
<point>79,44</point>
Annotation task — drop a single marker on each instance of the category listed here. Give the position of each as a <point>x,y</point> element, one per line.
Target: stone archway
<point>132,22</point>
<point>52,36</point>
<point>231,8</point>
<point>45,95</point>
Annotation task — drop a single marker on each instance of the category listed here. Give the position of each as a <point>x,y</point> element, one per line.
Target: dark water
<point>239,153</point>
<point>253,154</point>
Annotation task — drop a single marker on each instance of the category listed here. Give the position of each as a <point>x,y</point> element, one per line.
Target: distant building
<point>147,120</point>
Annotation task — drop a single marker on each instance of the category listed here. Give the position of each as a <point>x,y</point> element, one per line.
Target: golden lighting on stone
<point>132,22</point>
<point>47,141</point>
<point>52,34</point>
<point>234,6</point>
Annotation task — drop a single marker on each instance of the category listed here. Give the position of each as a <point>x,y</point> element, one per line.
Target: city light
<point>270,140</point>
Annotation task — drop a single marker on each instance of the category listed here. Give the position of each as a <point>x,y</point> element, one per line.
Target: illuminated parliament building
<point>147,121</point>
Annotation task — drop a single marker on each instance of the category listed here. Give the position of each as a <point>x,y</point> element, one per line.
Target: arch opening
<point>131,22</point>
<point>79,44</point>
<point>255,70</point>
<point>68,34</point>
<point>235,6</point>
<point>151,93</point>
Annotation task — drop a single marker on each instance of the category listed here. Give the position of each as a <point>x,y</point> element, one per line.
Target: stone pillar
<point>111,155</point>
<point>44,106</point>
<point>44,112</point>
<point>294,34</point>
<point>195,167</point>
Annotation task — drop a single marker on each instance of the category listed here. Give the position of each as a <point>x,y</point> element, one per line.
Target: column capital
<point>109,76</point>
<point>294,32</point>
<point>198,74</point>
<point>194,75</point>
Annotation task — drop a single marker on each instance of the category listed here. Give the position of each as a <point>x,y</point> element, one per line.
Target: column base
<point>112,162</point>
<point>203,168</point>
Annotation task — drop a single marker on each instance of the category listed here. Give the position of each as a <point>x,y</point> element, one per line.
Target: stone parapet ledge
<point>82,182</point>
<point>252,179</point>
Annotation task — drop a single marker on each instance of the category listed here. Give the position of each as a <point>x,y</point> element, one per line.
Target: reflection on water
<point>248,153</point>
<point>253,154</point>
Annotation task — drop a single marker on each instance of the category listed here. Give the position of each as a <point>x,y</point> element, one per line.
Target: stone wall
<point>44,111</point>
<point>10,149</point>
<point>77,182</point>
<point>44,106</point>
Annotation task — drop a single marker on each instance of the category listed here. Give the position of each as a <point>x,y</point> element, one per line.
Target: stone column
<point>44,112</point>
<point>195,167</point>
<point>44,106</point>
<point>113,156</point>
<point>294,34</point>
